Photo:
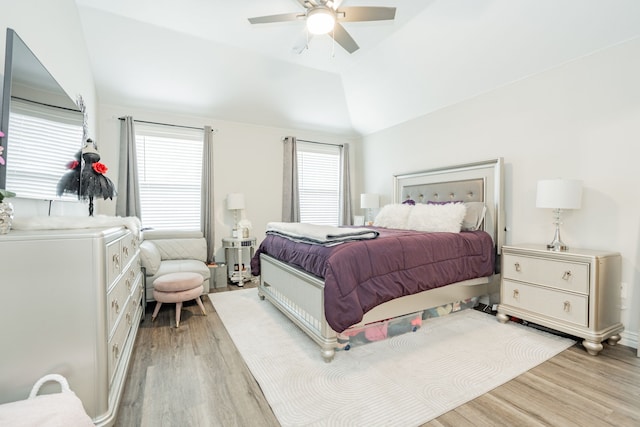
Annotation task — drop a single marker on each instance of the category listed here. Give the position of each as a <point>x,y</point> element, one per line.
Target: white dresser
<point>575,291</point>
<point>71,305</point>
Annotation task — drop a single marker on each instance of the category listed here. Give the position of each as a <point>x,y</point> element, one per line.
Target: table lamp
<point>235,203</point>
<point>558,194</point>
<point>369,201</point>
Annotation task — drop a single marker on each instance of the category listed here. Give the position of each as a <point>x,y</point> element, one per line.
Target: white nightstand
<point>238,263</point>
<point>575,291</point>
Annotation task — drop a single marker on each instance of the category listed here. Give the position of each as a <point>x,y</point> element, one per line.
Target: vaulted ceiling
<point>203,57</point>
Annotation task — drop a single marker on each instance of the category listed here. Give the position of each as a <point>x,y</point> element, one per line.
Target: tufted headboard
<point>473,182</point>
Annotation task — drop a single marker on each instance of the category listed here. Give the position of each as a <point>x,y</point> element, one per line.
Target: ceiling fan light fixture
<point>320,20</point>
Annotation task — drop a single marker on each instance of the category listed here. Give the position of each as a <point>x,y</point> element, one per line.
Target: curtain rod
<point>316,142</point>
<point>45,105</point>
<point>169,124</point>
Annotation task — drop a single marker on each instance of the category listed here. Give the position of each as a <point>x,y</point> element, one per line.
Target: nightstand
<point>575,291</point>
<point>238,264</point>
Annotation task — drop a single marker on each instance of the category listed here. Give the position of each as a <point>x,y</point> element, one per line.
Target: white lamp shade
<point>369,201</point>
<point>559,194</point>
<point>235,201</point>
<point>320,20</point>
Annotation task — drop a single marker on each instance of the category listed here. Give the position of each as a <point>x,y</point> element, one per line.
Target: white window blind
<point>319,183</point>
<point>44,140</point>
<point>170,173</point>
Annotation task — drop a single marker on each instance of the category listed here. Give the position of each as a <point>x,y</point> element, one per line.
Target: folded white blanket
<point>67,222</point>
<point>325,235</point>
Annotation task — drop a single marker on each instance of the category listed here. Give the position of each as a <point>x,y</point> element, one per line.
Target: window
<point>44,139</point>
<point>319,183</point>
<point>170,173</point>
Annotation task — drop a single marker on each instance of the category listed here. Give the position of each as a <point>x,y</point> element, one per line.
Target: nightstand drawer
<point>560,305</point>
<point>570,276</point>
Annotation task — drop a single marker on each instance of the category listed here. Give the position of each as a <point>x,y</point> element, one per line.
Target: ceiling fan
<point>325,17</point>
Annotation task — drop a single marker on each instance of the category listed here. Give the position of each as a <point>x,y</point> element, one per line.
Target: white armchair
<point>172,251</point>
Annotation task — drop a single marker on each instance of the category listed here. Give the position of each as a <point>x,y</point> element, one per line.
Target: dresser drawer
<point>114,262</point>
<point>138,289</point>
<point>129,277</point>
<point>566,275</point>
<point>127,249</point>
<point>547,302</point>
<point>117,299</point>
<point>118,340</point>
<point>136,295</point>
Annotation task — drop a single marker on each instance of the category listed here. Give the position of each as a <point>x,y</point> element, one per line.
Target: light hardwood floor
<point>194,376</point>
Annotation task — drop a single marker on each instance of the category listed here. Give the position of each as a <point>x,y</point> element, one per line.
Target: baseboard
<point>630,339</point>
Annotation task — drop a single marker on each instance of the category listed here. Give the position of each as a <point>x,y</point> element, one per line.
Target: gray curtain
<point>207,213</point>
<point>128,200</point>
<point>290,195</point>
<point>346,214</point>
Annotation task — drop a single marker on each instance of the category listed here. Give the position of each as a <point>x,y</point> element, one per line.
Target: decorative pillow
<point>150,257</point>
<point>474,216</point>
<point>437,217</point>
<point>393,216</point>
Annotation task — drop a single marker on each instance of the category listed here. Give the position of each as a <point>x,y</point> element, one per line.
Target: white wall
<point>53,31</point>
<point>248,159</point>
<point>579,120</point>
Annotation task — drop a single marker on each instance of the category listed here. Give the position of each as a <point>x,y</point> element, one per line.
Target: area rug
<point>406,380</point>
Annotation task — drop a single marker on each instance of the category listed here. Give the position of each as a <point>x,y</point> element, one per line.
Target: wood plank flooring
<point>194,376</point>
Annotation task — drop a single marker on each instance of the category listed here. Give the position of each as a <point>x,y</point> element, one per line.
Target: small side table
<point>238,266</point>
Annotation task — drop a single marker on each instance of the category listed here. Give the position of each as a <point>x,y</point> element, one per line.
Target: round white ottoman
<point>177,287</point>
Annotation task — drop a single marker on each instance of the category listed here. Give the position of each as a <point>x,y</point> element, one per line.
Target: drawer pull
<point>129,319</point>
<point>567,307</point>
<point>517,266</point>
<point>115,306</point>
<point>516,295</point>
<point>125,251</point>
<point>128,283</point>
<point>116,351</point>
<point>566,275</point>
<point>116,261</point>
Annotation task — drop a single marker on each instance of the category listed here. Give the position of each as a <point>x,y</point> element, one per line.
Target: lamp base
<point>557,244</point>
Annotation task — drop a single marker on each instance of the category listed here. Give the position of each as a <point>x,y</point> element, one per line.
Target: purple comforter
<point>361,275</point>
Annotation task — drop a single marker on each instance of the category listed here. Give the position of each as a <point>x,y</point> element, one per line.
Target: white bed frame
<point>300,296</point>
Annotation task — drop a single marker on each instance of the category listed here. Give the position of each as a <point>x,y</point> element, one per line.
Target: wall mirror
<point>43,126</point>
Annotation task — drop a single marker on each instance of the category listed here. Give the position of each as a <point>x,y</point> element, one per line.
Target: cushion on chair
<point>179,296</point>
<point>150,257</point>
<point>176,282</point>
<point>173,249</point>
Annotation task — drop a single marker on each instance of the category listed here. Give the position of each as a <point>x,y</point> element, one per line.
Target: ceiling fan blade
<point>366,13</point>
<point>343,38</point>
<point>304,3</point>
<point>284,17</point>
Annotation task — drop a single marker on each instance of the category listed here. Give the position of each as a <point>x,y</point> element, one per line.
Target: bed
<point>312,296</point>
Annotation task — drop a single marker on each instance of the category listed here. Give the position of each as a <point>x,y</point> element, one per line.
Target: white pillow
<point>474,216</point>
<point>393,216</point>
<point>443,218</point>
<point>150,257</point>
